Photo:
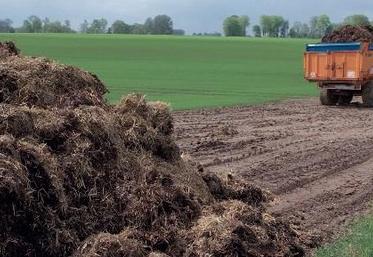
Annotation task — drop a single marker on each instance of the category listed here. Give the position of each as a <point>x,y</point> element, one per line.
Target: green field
<point>357,243</point>
<point>188,72</point>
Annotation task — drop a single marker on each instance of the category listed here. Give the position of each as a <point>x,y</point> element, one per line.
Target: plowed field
<point>317,160</point>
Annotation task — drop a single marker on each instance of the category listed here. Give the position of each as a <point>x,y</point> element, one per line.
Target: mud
<point>317,160</point>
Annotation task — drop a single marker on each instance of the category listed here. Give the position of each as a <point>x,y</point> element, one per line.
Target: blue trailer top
<point>335,47</point>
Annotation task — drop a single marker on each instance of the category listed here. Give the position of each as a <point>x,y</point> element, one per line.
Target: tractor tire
<point>367,94</point>
<point>327,97</point>
<point>345,99</point>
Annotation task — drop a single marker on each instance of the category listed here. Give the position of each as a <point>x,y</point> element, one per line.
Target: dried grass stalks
<point>45,83</point>
<point>233,228</point>
<point>89,179</point>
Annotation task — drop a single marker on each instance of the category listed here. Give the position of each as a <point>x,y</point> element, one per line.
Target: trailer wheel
<point>327,97</point>
<point>367,94</point>
<point>345,99</point>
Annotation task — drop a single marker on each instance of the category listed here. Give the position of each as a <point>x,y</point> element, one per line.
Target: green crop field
<point>357,243</point>
<point>188,72</point>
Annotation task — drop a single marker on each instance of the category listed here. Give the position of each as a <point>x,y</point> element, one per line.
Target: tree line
<point>269,26</point>
<point>277,26</point>
<point>159,25</point>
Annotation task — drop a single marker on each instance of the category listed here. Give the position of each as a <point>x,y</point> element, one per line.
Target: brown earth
<point>317,160</point>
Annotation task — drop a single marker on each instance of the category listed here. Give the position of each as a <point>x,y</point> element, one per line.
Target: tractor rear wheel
<point>345,99</point>
<point>367,94</point>
<point>328,97</point>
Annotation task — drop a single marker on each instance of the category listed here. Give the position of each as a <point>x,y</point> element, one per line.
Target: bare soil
<point>317,160</point>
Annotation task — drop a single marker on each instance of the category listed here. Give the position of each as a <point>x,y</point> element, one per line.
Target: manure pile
<point>79,177</point>
<point>349,33</point>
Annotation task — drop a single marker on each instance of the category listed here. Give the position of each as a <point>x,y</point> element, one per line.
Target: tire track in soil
<point>317,160</point>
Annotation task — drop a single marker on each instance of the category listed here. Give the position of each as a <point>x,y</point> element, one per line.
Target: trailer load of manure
<point>349,33</point>
<point>80,177</point>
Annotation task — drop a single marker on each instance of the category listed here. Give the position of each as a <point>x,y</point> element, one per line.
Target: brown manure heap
<point>80,177</point>
<point>349,33</point>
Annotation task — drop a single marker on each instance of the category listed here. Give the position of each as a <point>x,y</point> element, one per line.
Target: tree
<point>36,23</point>
<point>67,24</point>
<point>320,25</point>
<point>26,27</point>
<point>138,29</point>
<point>257,31</point>
<point>293,33</point>
<point>212,34</point>
<point>208,34</point>
<point>299,30</point>
<point>271,25</point>
<point>244,21</point>
<point>232,26</point>
<point>265,22</point>
<point>179,32</point>
<point>313,27</point>
<point>236,26</point>
<point>149,26</point>
<point>284,28</point>
<point>324,24</point>
<point>357,19</point>
<point>46,23</point>
<point>305,30</point>
<point>84,27</point>
<point>120,27</point>
<point>6,26</point>
<point>162,25</point>
<point>98,26</point>
<point>277,24</point>
<point>32,25</point>
<point>56,26</point>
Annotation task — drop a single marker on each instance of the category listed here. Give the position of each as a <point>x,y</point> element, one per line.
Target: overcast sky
<point>191,15</point>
